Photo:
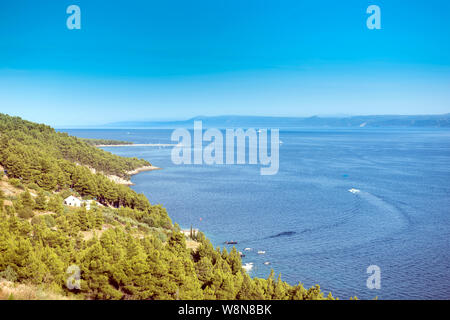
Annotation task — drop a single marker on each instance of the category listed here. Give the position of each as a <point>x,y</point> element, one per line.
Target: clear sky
<point>174,59</point>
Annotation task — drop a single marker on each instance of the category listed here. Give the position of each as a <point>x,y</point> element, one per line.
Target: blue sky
<point>174,59</point>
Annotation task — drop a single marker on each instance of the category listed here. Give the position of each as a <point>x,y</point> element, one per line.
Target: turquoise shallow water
<point>311,228</point>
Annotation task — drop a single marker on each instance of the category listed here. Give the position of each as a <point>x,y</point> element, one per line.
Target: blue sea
<point>312,229</point>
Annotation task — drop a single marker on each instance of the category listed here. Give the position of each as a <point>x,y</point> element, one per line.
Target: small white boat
<point>247,249</point>
<point>353,190</point>
<point>261,252</point>
<point>267,263</point>
<point>248,266</point>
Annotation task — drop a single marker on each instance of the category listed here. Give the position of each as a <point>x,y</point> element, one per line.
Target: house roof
<point>72,198</point>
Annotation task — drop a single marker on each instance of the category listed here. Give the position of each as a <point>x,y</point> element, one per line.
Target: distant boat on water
<point>230,242</point>
<point>261,252</point>
<point>353,190</point>
<point>248,266</point>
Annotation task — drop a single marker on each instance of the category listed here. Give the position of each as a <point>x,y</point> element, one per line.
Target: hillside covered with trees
<point>124,247</point>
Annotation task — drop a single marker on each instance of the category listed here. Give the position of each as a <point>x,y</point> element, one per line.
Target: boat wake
<point>384,206</point>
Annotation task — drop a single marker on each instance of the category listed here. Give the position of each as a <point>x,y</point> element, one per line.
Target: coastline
<point>126,182</point>
<point>137,145</point>
<point>143,169</point>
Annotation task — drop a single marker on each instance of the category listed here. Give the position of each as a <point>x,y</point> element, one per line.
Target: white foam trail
<point>386,208</point>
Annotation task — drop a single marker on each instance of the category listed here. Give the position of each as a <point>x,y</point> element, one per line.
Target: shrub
<point>10,210</point>
<point>33,186</point>
<point>36,220</point>
<point>162,236</point>
<point>49,220</point>
<point>25,213</point>
<point>55,204</point>
<point>16,183</point>
<point>8,274</point>
<point>40,201</point>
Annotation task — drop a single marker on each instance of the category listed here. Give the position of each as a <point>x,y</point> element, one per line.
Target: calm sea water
<point>311,227</point>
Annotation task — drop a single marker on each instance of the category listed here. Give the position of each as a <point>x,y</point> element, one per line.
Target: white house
<point>75,202</point>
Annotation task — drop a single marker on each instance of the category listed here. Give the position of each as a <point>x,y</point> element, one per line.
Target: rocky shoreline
<point>142,169</point>
<point>126,182</point>
<point>137,145</point>
<point>123,181</point>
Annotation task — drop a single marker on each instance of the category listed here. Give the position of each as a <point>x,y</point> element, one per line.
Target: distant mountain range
<point>296,122</point>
